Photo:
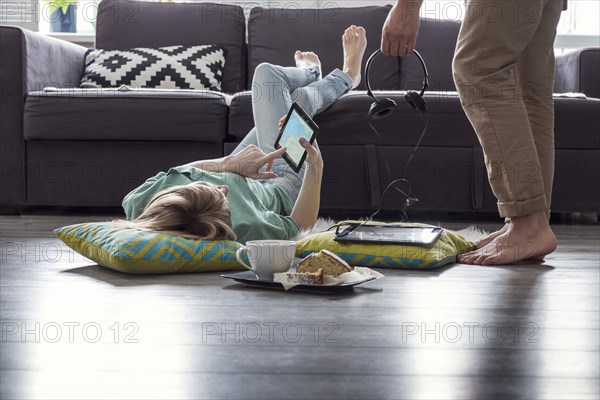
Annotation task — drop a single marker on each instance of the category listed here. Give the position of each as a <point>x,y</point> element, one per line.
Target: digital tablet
<point>411,235</point>
<point>298,124</point>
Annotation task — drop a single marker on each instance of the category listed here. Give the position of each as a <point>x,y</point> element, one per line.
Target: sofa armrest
<point>46,61</point>
<point>579,71</point>
<point>28,61</point>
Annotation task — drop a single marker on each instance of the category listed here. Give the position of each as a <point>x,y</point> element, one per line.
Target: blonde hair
<point>196,210</point>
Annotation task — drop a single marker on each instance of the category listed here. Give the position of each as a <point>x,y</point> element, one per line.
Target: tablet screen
<point>294,129</point>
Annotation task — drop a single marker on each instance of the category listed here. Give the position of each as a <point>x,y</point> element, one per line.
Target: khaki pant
<point>504,73</point>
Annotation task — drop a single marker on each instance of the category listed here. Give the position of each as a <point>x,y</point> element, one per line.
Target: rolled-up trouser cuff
<point>522,208</point>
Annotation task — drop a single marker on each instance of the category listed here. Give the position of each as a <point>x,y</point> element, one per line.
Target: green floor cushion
<point>443,251</point>
<point>137,251</point>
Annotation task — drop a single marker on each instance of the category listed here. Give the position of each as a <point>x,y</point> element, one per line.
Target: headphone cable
<point>409,199</point>
<point>418,141</point>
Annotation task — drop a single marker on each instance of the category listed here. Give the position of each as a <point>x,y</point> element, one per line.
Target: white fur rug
<point>471,233</point>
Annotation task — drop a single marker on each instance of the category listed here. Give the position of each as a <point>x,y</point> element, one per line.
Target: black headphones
<point>384,107</point>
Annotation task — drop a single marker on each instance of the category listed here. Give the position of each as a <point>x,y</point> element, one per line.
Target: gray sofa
<point>85,147</point>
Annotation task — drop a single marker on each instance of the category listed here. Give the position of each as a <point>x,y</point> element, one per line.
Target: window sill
<point>574,41</point>
<point>77,38</point>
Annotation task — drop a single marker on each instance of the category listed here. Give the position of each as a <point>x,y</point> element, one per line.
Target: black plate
<point>250,279</point>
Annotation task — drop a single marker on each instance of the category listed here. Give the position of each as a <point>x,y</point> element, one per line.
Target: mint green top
<point>258,210</point>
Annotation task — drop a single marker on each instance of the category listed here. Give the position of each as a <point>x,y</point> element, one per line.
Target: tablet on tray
<point>298,124</point>
<point>390,234</point>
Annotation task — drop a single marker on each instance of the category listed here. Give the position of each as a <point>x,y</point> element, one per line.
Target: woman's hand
<point>401,29</point>
<point>282,121</point>
<point>250,161</point>
<point>313,154</point>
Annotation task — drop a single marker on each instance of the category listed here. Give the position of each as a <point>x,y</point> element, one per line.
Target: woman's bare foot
<point>355,44</point>
<point>307,59</point>
<point>526,238</point>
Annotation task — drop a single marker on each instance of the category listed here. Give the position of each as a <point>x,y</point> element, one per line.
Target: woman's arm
<point>247,162</point>
<point>306,209</point>
<point>216,165</point>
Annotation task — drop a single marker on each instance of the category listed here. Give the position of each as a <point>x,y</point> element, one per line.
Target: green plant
<point>62,4</point>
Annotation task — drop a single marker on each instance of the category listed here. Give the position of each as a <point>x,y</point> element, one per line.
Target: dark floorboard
<point>74,330</point>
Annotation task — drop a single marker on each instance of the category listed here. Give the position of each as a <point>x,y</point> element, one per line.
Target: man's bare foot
<point>526,238</point>
<point>355,44</point>
<point>488,239</point>
<point>307,59</point>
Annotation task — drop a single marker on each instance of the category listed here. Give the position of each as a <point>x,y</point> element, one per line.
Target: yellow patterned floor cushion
<point>444,250</point>
<point>137,251</point>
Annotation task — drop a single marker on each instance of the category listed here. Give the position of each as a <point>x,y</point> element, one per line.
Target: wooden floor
<point>71,330</point>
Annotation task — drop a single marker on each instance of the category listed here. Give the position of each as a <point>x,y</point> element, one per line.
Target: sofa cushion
<point>173,67</point>
<point>578,71</point>
<point>140,114</point>
<point>275,33</point>
<point>125,24</point>
<point>435,43</point>
<point>345,122</point>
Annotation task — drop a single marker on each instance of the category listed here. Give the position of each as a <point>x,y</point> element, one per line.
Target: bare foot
<point>526,238</point>
<point>307,59</point>
<point>491,237</point>
<point>355,44</point>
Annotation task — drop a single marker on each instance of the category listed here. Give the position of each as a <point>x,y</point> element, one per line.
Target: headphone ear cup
<point>416,101</point>
<point>382,108</point>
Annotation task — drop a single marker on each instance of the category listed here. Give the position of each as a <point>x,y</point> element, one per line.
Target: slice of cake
<point>302,278</point>
<point>330,263</point>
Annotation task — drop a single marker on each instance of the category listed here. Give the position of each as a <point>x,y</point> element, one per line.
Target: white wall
<point>19,12</point>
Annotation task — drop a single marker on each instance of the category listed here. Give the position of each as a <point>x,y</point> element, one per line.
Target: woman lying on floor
<point>234,197</point>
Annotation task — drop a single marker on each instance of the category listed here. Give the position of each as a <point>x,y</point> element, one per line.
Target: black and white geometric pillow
<point>173,67</point>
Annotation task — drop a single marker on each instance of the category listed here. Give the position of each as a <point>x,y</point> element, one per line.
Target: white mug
<point>268,257</point>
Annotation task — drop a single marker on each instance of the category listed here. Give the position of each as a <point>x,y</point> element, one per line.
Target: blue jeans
<point>274,89</point>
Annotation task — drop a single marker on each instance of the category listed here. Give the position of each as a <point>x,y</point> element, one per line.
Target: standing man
<point>503,69</point>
